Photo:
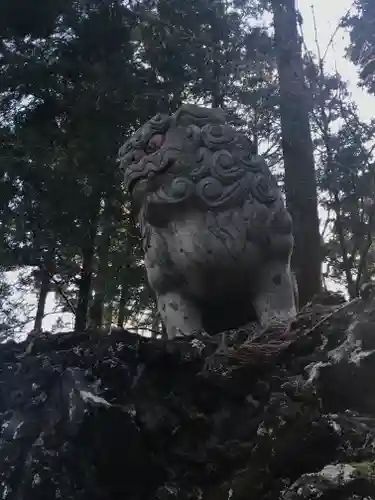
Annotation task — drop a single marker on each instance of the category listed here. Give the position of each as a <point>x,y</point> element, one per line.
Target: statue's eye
<point>154,143</point>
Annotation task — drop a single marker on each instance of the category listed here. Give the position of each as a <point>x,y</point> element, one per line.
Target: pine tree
<point>79,75</point>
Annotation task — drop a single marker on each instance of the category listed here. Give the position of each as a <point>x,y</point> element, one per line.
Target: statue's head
<point>194,155</point>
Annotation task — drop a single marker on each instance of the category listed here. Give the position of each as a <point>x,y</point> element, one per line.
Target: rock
<point>216,233</point>
<point>332,480</point>
<point>112,417</point>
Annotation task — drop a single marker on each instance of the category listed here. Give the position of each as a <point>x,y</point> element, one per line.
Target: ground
<point>281,415</point>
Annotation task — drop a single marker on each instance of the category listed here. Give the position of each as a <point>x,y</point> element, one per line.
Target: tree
<point>78,80</point>
<point>75,82</point>
<point>361,50</point>
<point>346,178</point>
<point>300,179</point>
<point>69,89</point>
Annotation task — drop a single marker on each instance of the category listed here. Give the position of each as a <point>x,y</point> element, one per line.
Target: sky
<point>327,15</point>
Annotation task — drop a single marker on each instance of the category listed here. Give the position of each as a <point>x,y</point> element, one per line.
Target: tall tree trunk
<point>102,276</point>
<point>122,304</point>
<point>176,100</point>
<point>108,315</point>
<point>217,91</point>
<point>43,292</point>
<point>217,83</point>
<point>88,252</point>
<point>300,179</point>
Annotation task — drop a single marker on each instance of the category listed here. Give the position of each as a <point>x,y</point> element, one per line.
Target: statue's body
<point>217,236</point>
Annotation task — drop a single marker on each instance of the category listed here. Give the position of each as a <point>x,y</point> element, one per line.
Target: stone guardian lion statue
<point>217,236</point>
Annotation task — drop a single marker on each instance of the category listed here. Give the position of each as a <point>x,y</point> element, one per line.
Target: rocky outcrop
<point>113,417</point>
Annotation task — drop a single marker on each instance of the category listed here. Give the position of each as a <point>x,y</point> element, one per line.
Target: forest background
<point>79,76</point>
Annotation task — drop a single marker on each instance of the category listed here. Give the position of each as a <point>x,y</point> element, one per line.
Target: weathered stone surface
<point>114,417</point>
<point>217,236</point>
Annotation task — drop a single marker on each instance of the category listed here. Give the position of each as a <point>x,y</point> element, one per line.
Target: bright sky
<point>327,15</point>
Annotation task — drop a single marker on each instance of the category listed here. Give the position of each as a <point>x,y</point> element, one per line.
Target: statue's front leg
<point>179,314</point>
<point>275,300</point>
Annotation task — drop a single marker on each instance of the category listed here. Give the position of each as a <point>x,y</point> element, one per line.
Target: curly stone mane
<point>195,155</point>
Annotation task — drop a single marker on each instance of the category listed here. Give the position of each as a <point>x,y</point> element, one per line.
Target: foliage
<point>15,312</point>
<point>361,50</point>
<point>77,77</point>
<point>344,148</point>
<point>76,80</point>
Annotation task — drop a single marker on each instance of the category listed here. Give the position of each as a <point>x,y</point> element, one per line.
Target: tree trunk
<point>108,315</point>
<point>85,280</point>
<point>102,276</point>
<point>217,90</point>
<point>122,304</point>
<point>300,180</point>
<point>176,100</point>
<point>43,292</point>
<point>347,264</point>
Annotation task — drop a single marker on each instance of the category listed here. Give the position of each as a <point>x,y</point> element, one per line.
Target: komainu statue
<point>216,234</point>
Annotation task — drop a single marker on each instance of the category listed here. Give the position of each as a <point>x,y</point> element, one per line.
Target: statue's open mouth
<point>131,184</point>
<point>145,170</point>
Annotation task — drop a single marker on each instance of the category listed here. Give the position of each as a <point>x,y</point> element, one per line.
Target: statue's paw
<point>222,350</point>
<point>213,363</point>
<point>202,334</point>
<point>192,333</point>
